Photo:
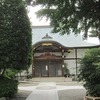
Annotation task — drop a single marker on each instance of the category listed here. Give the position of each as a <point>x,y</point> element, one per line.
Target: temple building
<point>53,52</point>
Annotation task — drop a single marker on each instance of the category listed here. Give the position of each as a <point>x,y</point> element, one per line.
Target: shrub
<point>89,72</point>
<point>10,73</point>
<point>8,87</point>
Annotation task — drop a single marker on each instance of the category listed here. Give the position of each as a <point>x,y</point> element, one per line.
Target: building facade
<point>53,53</point>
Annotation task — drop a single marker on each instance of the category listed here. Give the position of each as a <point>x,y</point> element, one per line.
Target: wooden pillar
<point>33,69</point>
<point>63,62</point>
<point>76,59</point>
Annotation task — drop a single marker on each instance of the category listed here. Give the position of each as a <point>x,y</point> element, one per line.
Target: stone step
<point>51,79</point>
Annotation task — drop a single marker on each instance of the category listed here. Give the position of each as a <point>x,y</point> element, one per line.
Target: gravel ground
<point>21,95</point>
<point>73,94</point>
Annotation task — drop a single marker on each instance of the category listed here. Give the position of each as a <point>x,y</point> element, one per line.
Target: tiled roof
<point>43,33</point>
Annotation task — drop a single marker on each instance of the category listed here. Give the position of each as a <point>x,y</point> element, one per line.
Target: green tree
<point>15,36</point>
<point>68,16</point>
<point>66,70</point>
<point>89,71</point>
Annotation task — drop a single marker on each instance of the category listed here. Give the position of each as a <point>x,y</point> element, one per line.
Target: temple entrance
<point>48,58</point>
<point>48,69</point>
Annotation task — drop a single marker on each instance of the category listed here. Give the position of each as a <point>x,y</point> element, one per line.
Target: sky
<point>38,22</point>
<point>33,18</point>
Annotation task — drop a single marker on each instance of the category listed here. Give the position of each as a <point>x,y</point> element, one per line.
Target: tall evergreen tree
<point>15,36</point>
<point>71,15</point>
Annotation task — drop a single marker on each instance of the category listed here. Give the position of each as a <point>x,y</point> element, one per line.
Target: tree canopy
<point>68,16</point>
<point>89,71</point>
<point>15,35</point>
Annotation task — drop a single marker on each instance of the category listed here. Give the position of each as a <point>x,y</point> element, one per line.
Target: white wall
<point>71,65</point>
<point>81,52</point>
<point>70,59</point>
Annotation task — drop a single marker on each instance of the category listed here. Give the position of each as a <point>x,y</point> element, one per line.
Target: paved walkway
<point>44,91</point>
<point>67,89</point>
<point>64,92</point>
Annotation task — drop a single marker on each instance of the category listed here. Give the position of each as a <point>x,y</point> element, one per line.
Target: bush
<point>89,72</point>
<point>8,87</point>
<point>10,73</point>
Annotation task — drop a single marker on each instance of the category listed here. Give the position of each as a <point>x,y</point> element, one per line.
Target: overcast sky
<point>33,18</point>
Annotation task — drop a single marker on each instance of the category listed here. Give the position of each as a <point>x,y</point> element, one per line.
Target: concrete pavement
<point>67,90</point>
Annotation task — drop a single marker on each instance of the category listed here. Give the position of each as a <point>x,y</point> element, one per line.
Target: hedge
<point>8,87</point>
